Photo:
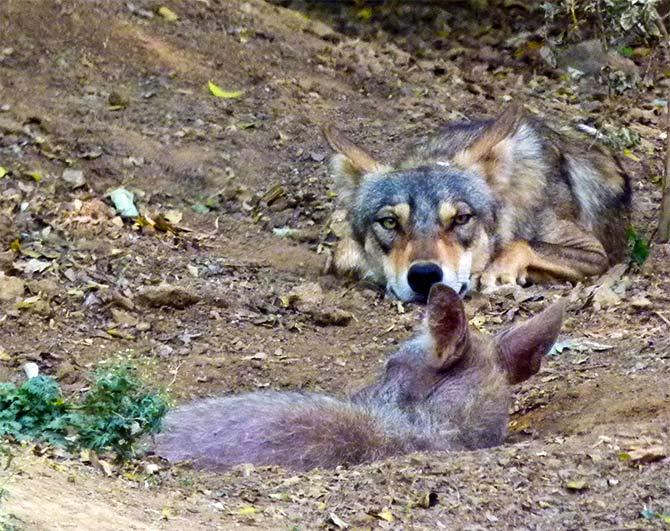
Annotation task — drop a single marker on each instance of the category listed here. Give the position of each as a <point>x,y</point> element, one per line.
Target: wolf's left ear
<point>521,348</point>
<point>492,151</point>
<point>447,326</point>
<point>351,163</point>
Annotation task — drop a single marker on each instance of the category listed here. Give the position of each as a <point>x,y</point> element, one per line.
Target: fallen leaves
<point>167,14</point>
<point>217,91</point>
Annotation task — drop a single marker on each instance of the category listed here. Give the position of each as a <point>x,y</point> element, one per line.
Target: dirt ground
<point>119,92</point>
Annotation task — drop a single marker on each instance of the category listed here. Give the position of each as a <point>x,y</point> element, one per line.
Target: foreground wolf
<point>447,389</point>
<point>481,203</point>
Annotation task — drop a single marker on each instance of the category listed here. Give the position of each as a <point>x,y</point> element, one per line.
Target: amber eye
<point>389,223</point>
<point>462,219</point>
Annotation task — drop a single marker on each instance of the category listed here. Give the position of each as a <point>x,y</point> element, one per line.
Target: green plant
<point>112,415</point>
<point>616,20</point>
<point>638,245</point>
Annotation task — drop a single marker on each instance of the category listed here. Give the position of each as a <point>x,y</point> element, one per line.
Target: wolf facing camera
<point>481,204</point>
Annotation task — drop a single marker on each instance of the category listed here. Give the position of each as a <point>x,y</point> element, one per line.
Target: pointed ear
<point>350,163</point>
<point>522,347</point>
<point>492,151</point>
<point>447,325</point>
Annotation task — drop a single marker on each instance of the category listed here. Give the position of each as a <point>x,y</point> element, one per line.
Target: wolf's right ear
<point>351,163</point>
<point>522,347</point>
<point>492,152</point>
<point>447,325</point>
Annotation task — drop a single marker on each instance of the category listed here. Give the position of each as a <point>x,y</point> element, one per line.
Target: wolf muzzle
<point>421,276</point>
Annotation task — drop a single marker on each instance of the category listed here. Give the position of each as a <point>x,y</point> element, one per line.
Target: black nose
<point>423,275</point>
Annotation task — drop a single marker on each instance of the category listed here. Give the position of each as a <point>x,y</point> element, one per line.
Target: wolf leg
<point>349,258</point>
<point>563,252</point>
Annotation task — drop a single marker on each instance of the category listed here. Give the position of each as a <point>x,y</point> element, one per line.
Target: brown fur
<point>562,206</point>
<point>447,389</point>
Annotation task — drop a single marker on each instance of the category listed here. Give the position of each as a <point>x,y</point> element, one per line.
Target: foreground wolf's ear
<point>447,325</point>
<point>522,347</point>
<point>351,162</point>
<point>492,151</point>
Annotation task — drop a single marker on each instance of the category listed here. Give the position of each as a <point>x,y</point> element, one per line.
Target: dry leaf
<point>225,94</point>
<point>168,14</point>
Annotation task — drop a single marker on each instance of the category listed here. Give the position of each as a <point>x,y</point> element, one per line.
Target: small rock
<point>123,318</point>
<point>591,106</point>
<point>143,326</point>
<point>165,351</point>
<point>118,99</point>
<point>604,297</point>
<point>332,316</point>
<point>589,57</point>
<point>47,287</point>
<point>11,288</point>
<point>36,305</point>
<point>322,31</point>
<point>647,455</point>
<point>167,295</point>
<point>7,261</point>
<point>75,178</point>
<point>641,302</point>
<point>306,296</point>
<point>31,369</point>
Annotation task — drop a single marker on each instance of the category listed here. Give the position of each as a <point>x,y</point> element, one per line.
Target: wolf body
<point>447,389</point>
<point>480,204</point>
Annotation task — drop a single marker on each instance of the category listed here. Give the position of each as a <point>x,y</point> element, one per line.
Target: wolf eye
<point>389,223</point>
<point>462,219</point>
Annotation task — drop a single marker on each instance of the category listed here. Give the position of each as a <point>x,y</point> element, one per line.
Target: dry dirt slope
<point>120,94</point>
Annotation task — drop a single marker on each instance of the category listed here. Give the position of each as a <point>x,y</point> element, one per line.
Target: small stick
<point>663,230</point>
<point>663,318</point>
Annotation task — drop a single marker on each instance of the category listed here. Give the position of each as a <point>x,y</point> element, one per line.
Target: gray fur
<point>447,389</point>
<point>413,407</point>
<point>422,188</point>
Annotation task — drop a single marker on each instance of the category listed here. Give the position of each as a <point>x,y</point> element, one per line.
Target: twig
<point>663,318</point>
<point>589,367</point>
<point>663,230</point>
<point>176,372</point>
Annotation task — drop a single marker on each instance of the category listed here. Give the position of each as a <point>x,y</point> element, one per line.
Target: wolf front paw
<point>509,267</point>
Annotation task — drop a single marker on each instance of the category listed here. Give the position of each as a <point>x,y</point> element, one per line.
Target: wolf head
<point>458,380</point>
<point>431,220</point>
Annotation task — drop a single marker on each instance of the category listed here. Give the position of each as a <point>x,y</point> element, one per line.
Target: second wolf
<point>484,202</point>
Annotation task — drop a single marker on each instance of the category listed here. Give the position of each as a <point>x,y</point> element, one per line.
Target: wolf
<point>449,388</point>
<point>481,204</point>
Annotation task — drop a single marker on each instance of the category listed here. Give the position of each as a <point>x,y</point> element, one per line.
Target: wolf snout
<point>422,275</point>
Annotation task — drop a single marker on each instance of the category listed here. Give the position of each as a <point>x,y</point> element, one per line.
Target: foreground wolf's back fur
<point>302,431</point>
<point>299,431</point>
<point>447,389</point>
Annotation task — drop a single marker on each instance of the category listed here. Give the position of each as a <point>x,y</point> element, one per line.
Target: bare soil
<point>121,94</point>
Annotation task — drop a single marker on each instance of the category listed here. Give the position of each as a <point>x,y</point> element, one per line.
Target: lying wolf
<point>447,389</point>
<point>481,203</point>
